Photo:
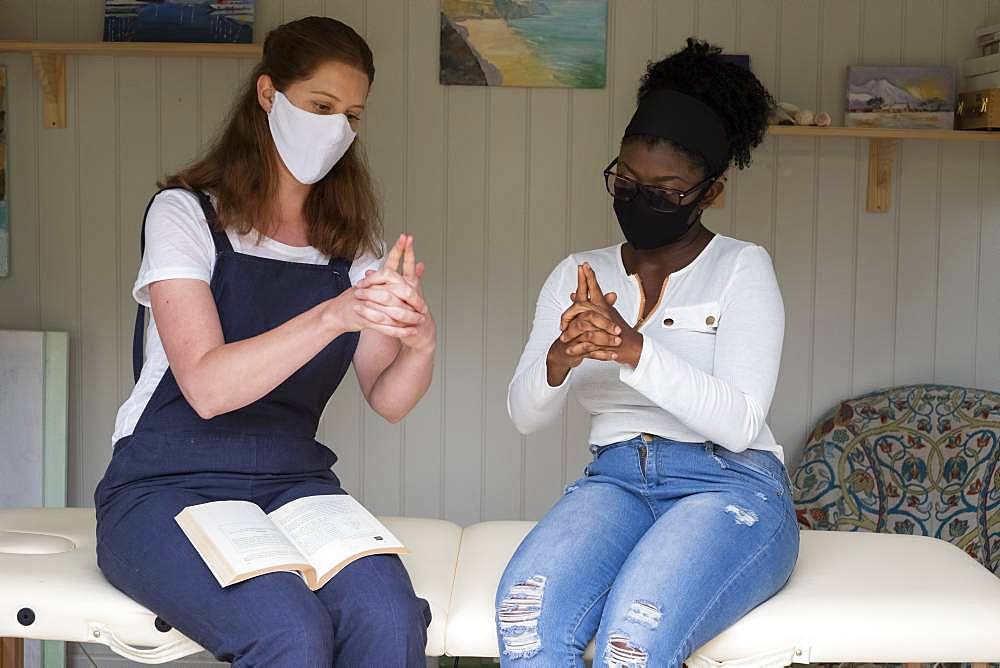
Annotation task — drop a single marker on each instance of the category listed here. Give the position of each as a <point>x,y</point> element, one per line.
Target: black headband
<point>685,121</point>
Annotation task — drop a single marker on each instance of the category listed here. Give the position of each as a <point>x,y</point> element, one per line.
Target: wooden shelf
<point>882,150</point>
<point>50,63</point>
<point>883,133</point>
<point>134,49</point>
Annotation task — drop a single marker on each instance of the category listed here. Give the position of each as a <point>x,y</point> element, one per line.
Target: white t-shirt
<point>179,245</point>
<point>710,354</point>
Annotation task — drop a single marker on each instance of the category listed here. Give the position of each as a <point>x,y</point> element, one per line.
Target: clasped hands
<point>390,301</point>
<point>591,328</point>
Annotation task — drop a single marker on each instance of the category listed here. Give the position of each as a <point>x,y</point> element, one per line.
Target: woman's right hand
<point>349,312</point>
<point>590,334</point>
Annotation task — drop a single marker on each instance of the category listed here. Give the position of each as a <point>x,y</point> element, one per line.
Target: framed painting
<point>901,97</point>
<point>226,21</point>
<point>537,43</point>
<point>4,219</point>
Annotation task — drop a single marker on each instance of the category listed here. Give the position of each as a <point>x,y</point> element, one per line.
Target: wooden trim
<point>51,68</point>
<point>11,653</point>
<point>877,133</point>
<point>881,156</point>
<point>135,49</point>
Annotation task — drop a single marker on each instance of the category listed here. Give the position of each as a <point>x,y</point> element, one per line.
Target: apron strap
<point>221,242</point>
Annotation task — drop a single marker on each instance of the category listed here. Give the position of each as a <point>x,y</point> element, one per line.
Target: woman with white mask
<point>260,265</point>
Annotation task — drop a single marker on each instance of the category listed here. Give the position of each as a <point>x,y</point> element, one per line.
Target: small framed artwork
<point>533,43</point>
<point>901,97</point>
<point>4,217</point>
<point>225,21</point>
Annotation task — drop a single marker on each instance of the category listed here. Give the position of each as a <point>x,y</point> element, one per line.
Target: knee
<point>636,634</point>
<point>301,638</point>
<point>403,614</point>
<point>518,615</point>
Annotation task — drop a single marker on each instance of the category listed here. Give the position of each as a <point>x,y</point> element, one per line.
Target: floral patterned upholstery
<point>920,459</point>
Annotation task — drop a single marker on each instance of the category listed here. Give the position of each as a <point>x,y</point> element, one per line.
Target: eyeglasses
<point>660,198</point>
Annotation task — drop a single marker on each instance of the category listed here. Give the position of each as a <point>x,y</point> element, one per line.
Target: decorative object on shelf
<point>981,73</point>
<point>537,43</point>
<point>988,38</point>
<point>786,113</point>
<point>804,117</point>
<point>228,21</point>
<point>4,216</point>
<point>979,110</point>
<point>900,97</point>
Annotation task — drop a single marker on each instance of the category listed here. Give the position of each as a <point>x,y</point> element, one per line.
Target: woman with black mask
<point>683,521</point>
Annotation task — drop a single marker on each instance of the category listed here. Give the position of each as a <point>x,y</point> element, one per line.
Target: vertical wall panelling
<point>543,460</point>
<point>296,9</point>
<point>59,226</point>
<point>752,201</point>
<point>219,83</point>
<point>463,315</point>
<point>987,366</point>
<point>498,186</point>
<point>341,428</point>
<point>98,350</point>
<point>179,103</point>
<point>837,202</point>
<point>20,291</point>
<point>19,19</point>
<point>505,294</point>
<point>919,213</point>
<point>138,169</point>
<point>587,210</point>
<point>875,306</point>
<point>718,22</point>
<point>958,266</point>
<point>384,138</point>
<point>426,142</point>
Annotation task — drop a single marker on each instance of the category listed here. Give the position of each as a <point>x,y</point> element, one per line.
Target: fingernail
<point>617,340</point>
<point>614,356</point>
<point>618,330</point>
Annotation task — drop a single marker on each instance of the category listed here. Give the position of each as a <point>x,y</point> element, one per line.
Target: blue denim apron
<point>265,453</point>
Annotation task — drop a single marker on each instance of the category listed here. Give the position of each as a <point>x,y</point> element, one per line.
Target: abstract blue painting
<point>4,225</point>
<point>228,21</point>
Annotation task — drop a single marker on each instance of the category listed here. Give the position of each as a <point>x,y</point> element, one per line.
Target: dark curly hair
<point>732,91</point>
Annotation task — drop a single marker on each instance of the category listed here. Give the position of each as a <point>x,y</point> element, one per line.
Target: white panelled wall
<point>498,185</point>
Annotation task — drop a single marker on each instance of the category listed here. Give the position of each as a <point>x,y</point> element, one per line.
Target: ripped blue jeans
<point>657,549</point>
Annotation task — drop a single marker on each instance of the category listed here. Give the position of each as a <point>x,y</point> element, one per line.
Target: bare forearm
<point>236,374</point>
<point>402,384</point>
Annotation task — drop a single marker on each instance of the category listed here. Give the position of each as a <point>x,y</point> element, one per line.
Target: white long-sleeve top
<point>710,353</point>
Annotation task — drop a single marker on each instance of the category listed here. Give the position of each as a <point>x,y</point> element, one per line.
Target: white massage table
<point>853,596</point>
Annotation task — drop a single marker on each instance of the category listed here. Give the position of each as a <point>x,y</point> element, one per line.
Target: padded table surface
<point>852,597</point>
<point>48,565</point>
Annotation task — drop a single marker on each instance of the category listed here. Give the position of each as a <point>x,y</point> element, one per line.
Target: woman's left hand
<point>394,292</point>
<point>590,299</point>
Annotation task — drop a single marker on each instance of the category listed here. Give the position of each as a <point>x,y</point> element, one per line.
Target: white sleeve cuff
<point>140,291</point>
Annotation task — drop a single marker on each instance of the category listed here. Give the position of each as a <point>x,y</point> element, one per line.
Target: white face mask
<point>309,144</point>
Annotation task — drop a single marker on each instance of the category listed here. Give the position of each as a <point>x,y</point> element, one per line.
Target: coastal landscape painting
<point>225,21</point>
<point>537,43</point>
<point>901,97</point>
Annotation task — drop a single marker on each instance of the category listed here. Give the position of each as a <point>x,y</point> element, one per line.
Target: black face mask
<point>646,228</point>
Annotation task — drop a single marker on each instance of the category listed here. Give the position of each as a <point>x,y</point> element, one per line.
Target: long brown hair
<point>241,168</point>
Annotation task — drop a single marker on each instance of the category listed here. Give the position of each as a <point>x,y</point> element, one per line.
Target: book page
<point>331,529</point>
<point>242,536</point>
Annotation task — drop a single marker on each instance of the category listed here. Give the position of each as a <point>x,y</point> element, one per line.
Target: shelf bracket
<point>51,69</point>
<point>881,155</point>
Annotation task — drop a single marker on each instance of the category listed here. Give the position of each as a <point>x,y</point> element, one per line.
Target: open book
<point>315,536</point>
